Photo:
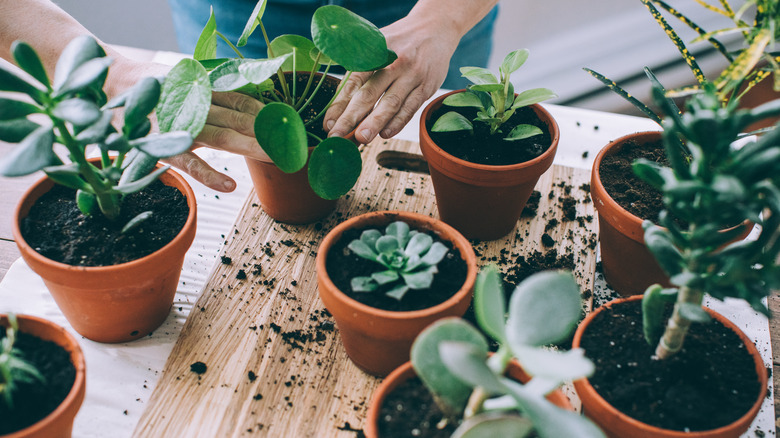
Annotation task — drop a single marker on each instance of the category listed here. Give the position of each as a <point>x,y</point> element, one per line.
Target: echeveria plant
<point>451,358</point>
<point>340,37</point>
<point>14,369</point>
<point>79,116</point>
<point>409,258</point>
<point>722,180</point>
<point>495,100</point>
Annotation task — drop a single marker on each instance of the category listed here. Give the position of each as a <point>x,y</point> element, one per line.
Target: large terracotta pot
<point>406,372</point>
<point>377,340</point>
<point>483,201</point>
<point>617,424</point>
<point>59,423</point>
<point>116,303</point>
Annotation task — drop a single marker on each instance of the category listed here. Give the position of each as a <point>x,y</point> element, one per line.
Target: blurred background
<point>614,37</point>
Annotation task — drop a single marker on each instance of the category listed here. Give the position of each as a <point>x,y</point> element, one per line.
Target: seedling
<point>494,99</point>
<point>409,258</point>
<point>14,369</point>
<point>79,116</point>
<point>451,358</point>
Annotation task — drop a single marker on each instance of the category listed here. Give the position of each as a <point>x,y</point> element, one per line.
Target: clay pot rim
<point>178,182</point>
<point>543,114</point>
<point>69,343</point>
<point>435,225</point>
<point>583,385</point>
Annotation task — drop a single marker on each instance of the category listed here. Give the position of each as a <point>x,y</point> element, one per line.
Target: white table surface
<point>121,377</point>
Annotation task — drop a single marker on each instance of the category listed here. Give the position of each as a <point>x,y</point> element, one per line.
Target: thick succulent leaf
<point>185,99</point>
<point>97,131</point>
<point>80,50</point>
<point>141,183</point>
<point>435,254</point>
<point>91,74</point>
<point>494,424</point>
<point>363,284</point>
<point>31,155</point>
<point>163,145</point>
<point>469,364</point>
<point>227,77</point>
<point>206,47</point>
<point>281,134</point>
<point>136,222</point>
<point>334,167</point>
<point>654,302</point>
<point>297,47</point>
<point>67,175</point>
<point>418,244</point>
<point>513,61</point>
<point>28,60</point>
<point>15,130</point>
<point>254,19</point>
<point>478,75</point>
<point>387,244</point>
<point>653,173</point>
<point>464,99</point>
<point>11,80</point>
<point>79,112</point>
<point>349,40</point>
<point>543,310</point>
<point>450,393</point>
<point>116,142</point>
<point>557,366</point>
<point>141,100</point>
<point>385,277</point>
<point>361,249</point>
<point>369,237</point>
<point>490,303</point>
<point>452,121</point>
<point>399,230</point>
<point>530,97</point>
<point>16,109</point>
<point>520,132</point>
<point>421,279</point>
<point>259,70</point>
<point>398,292</point>
<point>661,245</point>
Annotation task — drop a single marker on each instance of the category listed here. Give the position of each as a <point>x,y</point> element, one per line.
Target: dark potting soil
<point>57,229</point>
<point>409,410</point>
<point>321,99</point>
<point>342,265</point>
<point>34,401</point>
<point>483,148</point>
<point>710,383</point>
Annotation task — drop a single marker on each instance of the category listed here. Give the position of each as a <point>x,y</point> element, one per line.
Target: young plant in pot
<point>714,383</point>
<point>306,171</point>
<point>453,387</point>
<point>42,378</point>
<point>387,275</point>
<point>105,235</point>
<point>486,148</point>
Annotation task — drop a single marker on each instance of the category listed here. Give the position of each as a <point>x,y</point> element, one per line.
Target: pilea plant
<point>451,358</point>
<point>721,181</point>
<point>408,256</point>
<point>14,369</point>
<point>494,99</point>
<point>80,116</point>
<point>340,37</point>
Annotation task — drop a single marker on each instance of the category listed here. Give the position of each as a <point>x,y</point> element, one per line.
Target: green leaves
<point>479,75</point>
<point>31,155</point>
<point>164,145</point>
<point>520,132</point>
<point>206,47</point>
<point>254,19</point>
<point>489,306</point>
<point>281,134</point>
<point>28,60</point>
<point>334,167</point>
<point>75,54</point>
<point>530,97</point>
<point>494,424</point>
<point>350,40</point>
<point>16,109</point>
<point>13,81</point>
<point>463,100</point>
<point>257,71</point>
<point>227,77</point>
<point>185,99</point>
<point>299,48</point>
<point>80,112</point>
<point>452,121</point>
<point>513,61</point>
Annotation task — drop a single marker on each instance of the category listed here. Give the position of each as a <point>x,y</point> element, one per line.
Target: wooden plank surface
<point>274,363</point>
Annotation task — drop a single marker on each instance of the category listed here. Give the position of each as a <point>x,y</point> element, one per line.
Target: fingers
<point>194,166</point>
<point>230,119</point>
<point>238,102</point>
<point>231,141</point>
<point>341,118</point>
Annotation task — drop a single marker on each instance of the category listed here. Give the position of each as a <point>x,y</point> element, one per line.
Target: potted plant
<point>42,378</point>
<point>108,239</point>
<point>474,394</point>
<point>305,172</point>
<point>723,180</point>
<point>385,276</point>
<point>486,148</point>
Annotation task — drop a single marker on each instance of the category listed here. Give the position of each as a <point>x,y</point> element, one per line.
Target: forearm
<point>457,15</point>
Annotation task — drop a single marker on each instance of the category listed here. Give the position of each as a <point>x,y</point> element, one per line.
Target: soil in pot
<point>342,265</point>
<point>57,229</point>
<point>321,99</point>
<point>484,148</point>
<point>34,401</point>
<point>409,410</point>
<point>712,382</point>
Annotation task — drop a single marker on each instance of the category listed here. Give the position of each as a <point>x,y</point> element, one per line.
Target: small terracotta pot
<point>116,303</point>
<point>379,340</point>
<point>617,424</point>
<point>483,201</point>
<point>59,423</point>
<point>406,372</point>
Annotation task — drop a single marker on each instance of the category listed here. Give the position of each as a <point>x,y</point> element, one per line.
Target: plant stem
<point>309,82</point>
<point>279,73</point>
<point>314,93</point>
<point>235,49</point>
<point>677,326</point>
<point>341,85</point>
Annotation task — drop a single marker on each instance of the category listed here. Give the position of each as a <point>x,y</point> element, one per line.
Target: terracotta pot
<point>483,201</point>
<point>406,372</point>
<point>59,423</point>
<point>617,424</point>
<point>116,303</point>
<point>288,197</point>
<point>377,340</point>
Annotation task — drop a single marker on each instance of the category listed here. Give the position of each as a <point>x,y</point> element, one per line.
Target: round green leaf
<point>298,47</point>
<point>349,40</point>
<point>185,99</point>
<point>323,58</point>
<point>227,76</point>
<point>16,109</point>
<point>452,121</point>
<point>334,167</point>
<point>28,60</point>
<point>281,134</point>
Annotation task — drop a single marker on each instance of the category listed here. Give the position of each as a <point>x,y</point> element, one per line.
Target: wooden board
<point>274,363</point>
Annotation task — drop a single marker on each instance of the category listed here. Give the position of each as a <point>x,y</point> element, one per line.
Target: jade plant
<point>340,37</point>
<point>495,100</point>
<point>80,116</point>
<point>14,369</point>
<point>408,258</point>
<point>722,180</point>
<point>451,358</point>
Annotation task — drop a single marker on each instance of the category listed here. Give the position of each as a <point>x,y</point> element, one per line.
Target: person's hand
<point>424,49</point>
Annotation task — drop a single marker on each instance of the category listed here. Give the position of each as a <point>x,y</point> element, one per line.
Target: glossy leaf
<point>532,96</point>
<point>478,75</point>
<point>80,50</point>
<point>334,167</point>
<point>452,121</point>
<point>28,60</point>
<point>11,80</point>
<point>254,19</point>
<point>185,99</point>
<point>464,99</point>
<point>323,58</point>
<point>86,202</point>
<point>67,175</point>
<point>490,303</point>
<point>211,64</point>
<point>15,130</point>
<point>16,109</point>
<point>260,70</point>
<point>350,40</point>
<point>206,47</point>
<point>141,100</point>
<point>281,134</point>
<point>164,145</point>
<point>97,131</point>
<point>91,74</point>
<point>521,132</point>
<point>513,61</point>
<point>141,183</point>
<point>31,155</point>
<point>488,88</point>
<point>80,112</point>
<point>227,76</point>
<point>296,46</point>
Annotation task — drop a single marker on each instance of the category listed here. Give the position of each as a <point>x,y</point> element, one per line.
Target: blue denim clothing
<point>294,17</point>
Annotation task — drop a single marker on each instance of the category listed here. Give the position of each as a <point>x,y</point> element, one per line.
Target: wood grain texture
<point>260,315</point>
